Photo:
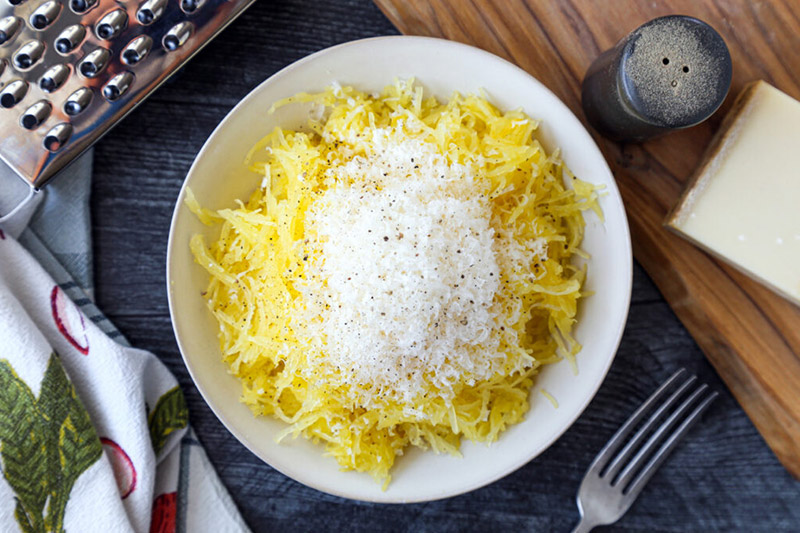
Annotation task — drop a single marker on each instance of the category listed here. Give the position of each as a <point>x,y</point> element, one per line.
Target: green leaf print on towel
<point>45,445</point>
<point>169,414</point>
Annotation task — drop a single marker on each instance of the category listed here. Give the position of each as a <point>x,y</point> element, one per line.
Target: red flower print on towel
<point>123,467</point>
<point>165,512</point>
<point>2,235</point>
<point>69,320</point>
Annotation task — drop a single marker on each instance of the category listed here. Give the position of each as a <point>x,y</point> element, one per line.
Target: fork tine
<point>619,437</point>
<point>661,455</point>
<point>630,448</point>
<point>633,466</point>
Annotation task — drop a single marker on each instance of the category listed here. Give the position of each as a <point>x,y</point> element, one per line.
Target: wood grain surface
<point>723,477</point>
<point>750,335</point>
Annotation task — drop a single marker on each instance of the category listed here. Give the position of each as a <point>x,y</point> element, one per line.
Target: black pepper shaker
<point>670,73</point>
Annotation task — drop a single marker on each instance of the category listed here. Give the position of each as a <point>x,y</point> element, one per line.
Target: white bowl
<point>218,176</point>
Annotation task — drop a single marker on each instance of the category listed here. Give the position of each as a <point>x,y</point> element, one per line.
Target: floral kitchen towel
<point>94,434</point>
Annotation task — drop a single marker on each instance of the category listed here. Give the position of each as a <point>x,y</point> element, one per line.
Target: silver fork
<point>614,480</point>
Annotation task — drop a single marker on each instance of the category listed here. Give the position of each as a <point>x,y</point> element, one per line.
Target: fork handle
<point>584,526</point>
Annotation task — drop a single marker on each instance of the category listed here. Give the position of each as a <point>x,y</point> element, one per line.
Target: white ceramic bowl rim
<point>301,472</point>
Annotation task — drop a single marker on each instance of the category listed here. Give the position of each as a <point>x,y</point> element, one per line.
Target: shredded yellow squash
<point>259,258</point>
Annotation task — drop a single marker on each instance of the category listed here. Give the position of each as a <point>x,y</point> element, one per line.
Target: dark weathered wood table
<point>723,478</point>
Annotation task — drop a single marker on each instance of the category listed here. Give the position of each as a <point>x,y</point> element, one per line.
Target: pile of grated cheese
<point>401,273</point>
<point>399,292</point>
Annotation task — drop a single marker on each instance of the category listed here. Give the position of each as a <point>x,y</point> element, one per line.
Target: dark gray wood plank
<point>723,478</point>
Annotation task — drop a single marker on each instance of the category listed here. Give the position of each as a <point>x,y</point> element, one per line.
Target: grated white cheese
<point>400,287</point>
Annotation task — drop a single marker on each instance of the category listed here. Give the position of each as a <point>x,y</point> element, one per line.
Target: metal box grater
<point>70,69</point>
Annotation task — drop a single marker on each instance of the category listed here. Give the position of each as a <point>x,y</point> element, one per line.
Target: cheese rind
<point>744,202</point>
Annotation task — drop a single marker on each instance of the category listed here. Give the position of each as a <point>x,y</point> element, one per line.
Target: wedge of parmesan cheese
<point>744,203</point>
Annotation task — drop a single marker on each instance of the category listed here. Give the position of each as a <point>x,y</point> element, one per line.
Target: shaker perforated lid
<point>675,71</point>
<point>670,73</point>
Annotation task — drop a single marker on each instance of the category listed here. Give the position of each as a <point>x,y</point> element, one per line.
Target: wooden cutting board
<point>750,335</point>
